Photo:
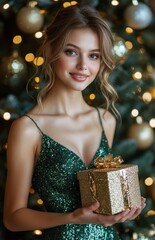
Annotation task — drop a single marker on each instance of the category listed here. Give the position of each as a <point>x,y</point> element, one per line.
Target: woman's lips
<point>79,77</point>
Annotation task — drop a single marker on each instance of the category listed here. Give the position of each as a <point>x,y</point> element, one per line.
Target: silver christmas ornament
<point>138,16</point>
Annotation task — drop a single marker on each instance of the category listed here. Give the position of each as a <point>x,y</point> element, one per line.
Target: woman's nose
<point>82,64</point>
<point>83,67</point>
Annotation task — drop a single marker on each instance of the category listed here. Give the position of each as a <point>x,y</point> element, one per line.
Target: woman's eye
<point>94,56</point>
<point>70,52</point>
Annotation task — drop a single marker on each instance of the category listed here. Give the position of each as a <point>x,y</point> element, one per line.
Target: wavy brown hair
<point>56,36</point>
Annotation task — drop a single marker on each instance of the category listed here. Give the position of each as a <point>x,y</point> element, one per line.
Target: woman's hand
<point>86,215</point>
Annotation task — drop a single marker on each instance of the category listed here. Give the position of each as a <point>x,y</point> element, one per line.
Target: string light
<point>148,181</point>
<point>29,57</point>
<point>152,122</point>
<point>137,75</point>
<point>139,120</point>
<point>17,39</point>
<point>73,3</point>
<point>134,112</point>
<point>114,2</point>
<point>135,2</point>
<point>92,96</point>
<point>6,6</point>
<point>147,97</point>
<point>37,232</point>
<point>129,30</point>
<point>135,236</point>
<point>38,34</point>
<point>40,201</point>
<point>150,213</point>
<point>66,4</point>
<point>36,86</point>
<point>129,45</point>
<point>6,116</point>
<point>38,61</point>
<point>37,79</point>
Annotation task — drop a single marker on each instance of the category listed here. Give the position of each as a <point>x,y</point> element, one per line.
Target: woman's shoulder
<point>23,126</point>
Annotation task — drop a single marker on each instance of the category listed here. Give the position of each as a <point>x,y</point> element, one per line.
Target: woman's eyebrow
<point>91,50</point>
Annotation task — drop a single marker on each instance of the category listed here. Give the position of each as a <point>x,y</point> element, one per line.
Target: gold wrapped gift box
<point>114,185</point>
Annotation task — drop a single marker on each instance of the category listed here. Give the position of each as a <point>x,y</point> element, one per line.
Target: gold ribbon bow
<point>108,161</point>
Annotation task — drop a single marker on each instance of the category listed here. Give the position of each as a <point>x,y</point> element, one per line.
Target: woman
<point>62,134</point>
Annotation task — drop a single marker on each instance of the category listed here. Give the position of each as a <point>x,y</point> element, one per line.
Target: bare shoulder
<point>109,124</point>
<point>23,127</point>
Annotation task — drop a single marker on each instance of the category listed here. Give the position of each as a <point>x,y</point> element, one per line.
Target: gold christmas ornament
<point>29,19</point>
<point>143,134</point>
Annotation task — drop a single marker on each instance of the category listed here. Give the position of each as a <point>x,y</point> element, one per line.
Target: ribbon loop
<point>108,161</point>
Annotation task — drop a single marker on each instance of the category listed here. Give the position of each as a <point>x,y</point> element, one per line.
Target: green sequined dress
<point>55,180</point>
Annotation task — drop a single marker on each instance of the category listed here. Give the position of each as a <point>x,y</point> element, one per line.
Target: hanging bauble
<point>120,50</point>
<point>143,134</point>
<point>138,16</point>
<point>13,71</point>
<point>29,19</point>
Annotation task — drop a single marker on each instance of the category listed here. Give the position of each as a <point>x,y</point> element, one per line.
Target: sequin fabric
<point>55,180</point>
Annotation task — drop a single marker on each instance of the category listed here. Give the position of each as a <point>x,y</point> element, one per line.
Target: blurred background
<point>22,25</point>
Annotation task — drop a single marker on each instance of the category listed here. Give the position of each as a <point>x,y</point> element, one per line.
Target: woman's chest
<point>79,137</point>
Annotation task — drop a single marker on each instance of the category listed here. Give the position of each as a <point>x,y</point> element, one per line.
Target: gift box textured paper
<point>115,188</point>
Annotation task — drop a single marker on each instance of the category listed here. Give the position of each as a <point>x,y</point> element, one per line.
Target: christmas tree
<point>22,25</point>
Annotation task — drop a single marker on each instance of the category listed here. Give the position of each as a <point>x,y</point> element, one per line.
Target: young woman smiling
<point>62,134</point>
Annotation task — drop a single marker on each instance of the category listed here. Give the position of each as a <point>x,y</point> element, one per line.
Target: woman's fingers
<point>139,210</point>
<point>135,212</point>
<point>94,206</point>
<point>87,215</point>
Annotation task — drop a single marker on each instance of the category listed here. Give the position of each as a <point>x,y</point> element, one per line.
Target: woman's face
<point>79,63</point>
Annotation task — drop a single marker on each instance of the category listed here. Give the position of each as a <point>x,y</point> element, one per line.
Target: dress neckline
<point>71,151</point>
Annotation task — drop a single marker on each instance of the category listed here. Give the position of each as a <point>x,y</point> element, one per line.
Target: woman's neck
<point>66,103</point>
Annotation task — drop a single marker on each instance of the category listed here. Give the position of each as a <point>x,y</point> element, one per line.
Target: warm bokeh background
<point>133,24</point>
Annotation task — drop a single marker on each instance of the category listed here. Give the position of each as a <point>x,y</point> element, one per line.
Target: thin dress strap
<point>99,115</point>
<point>34,123</point>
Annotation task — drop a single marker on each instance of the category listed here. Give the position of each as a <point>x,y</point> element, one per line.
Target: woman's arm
<point>21,151</point>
